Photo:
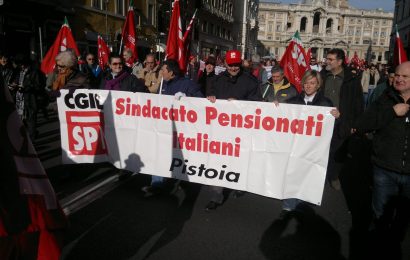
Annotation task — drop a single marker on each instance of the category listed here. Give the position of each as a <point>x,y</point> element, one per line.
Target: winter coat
<point>351,104</point>
<point>391,140</point>
<point>204,80</point>
<point>366,79</point>
<point>285,92</point>
<point>183,85</point>
<point>318,100</point>
<point>152,79</point>
<point>129,83</point>
<point>241,87</point>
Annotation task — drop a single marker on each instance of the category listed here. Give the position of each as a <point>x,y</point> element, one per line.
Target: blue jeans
<point>290,204</point>
<point>387,185</point>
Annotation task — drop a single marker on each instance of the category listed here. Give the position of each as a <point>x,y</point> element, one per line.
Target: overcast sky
<point>387,5</point>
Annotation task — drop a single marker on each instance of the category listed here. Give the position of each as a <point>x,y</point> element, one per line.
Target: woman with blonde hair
<point>313,96</point>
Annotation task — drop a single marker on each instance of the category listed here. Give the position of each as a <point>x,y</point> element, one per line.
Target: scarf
<point>60,81</point>
<point>114,84</point>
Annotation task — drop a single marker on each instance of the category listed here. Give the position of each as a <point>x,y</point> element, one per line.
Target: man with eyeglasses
<point>92,70</point>
<point>388,118</point>
<point>232,84</point>
<point>345,92</point>
<point>132,64</point>
<point>151,73</point>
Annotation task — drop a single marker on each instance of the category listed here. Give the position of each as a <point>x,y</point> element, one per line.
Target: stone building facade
<point>214,33</point>
<point>325,24</point>
<point>246,26</point>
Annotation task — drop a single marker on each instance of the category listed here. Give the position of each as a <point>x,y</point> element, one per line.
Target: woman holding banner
<point>311,95</point>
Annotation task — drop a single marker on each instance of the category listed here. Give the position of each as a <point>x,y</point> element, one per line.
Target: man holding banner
<point>173,84</point>
<point>232,84</point>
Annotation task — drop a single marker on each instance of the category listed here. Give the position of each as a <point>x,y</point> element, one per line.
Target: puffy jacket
<point>184,85</point>
<point>285,92</point>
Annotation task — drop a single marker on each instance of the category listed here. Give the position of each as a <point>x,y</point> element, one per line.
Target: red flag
<point>175,43</point>
<point>346,59</point>
<point>128,34</point>
<point>187,41</point>
<point>400,55</point>
<point>103,52</point>
<point>293,61</point>
<point>308,55</point>
<point>30,214</point>
<point>63,42</point>
<point>355,61</point>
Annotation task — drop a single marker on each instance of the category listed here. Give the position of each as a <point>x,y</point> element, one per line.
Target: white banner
<point>280,152</point>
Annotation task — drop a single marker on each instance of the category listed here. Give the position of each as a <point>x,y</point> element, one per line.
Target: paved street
<point>110,218</point>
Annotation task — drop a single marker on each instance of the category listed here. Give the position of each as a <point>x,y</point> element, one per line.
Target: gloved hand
<point>179,95</point>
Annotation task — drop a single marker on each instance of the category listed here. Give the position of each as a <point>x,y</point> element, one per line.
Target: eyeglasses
<point>116,64</point>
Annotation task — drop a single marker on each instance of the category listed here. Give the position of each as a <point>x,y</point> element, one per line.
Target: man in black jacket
<point>233,84</point>
<point>389,119</point>
<point>345,92</point>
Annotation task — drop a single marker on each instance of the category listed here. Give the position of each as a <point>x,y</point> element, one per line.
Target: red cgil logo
<point>86,133</point>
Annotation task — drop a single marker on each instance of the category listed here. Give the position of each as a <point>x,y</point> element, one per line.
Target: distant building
<point>246,26</point>
<point>325,24</point>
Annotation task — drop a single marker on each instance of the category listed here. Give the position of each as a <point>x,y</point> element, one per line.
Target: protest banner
<point>276,151</point>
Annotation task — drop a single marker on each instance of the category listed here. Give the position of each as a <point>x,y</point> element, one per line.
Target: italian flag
<point>294,62</point>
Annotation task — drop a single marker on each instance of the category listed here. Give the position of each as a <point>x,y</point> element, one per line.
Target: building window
<point>270,27</point>
<point>96,4</point>
<point>358,31</point>
<point>211,28</point>
<point>120,7</point>
<point>279,27</point>
<point>205,27</point>
<point>303,23</point>
<point>316,22</point>
<point>329,25</point>
<point>151,14</point>
<point>375,34</point>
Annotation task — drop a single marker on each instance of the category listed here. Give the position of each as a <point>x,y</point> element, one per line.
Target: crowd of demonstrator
<point>371,108</point>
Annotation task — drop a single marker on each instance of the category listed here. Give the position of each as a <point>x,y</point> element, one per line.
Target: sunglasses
<point>116,64</point>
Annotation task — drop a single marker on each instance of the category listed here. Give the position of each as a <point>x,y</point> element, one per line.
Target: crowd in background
<point>350,88</point>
